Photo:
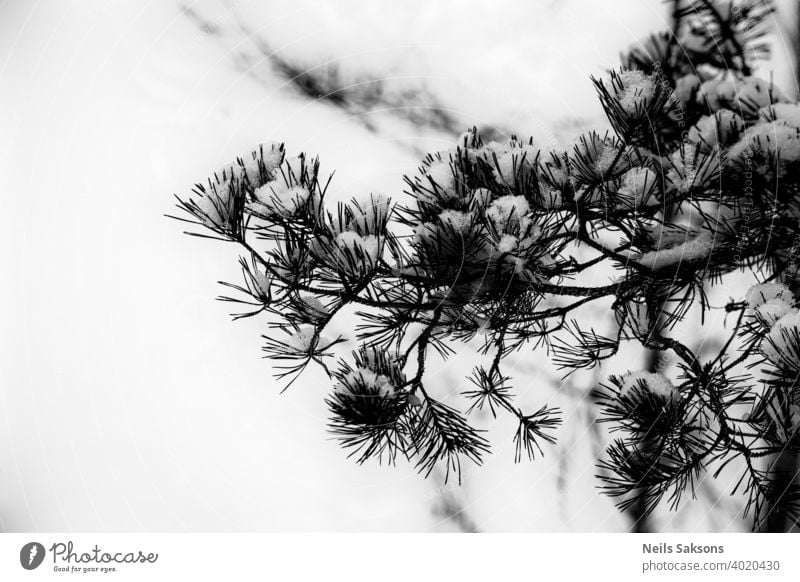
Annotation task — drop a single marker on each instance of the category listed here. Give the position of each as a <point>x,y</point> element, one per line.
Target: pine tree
<point>697,177</point>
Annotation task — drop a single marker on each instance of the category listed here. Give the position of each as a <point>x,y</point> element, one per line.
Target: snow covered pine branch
<point>698,177</point>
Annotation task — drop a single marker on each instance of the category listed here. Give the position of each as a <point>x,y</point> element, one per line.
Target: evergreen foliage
<point>697,177</point>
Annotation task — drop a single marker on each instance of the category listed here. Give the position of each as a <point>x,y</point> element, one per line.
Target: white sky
<point>128,400</point>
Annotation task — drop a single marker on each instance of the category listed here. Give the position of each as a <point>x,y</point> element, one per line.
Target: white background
<point>128,400</point>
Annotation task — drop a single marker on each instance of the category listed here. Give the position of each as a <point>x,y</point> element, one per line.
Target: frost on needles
<point>698,176</point>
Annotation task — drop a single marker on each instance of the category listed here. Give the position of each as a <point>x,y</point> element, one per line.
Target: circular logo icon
<point>31,555</point>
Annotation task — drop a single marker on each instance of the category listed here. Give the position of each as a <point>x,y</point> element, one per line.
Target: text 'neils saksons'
<point>664,548</point>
